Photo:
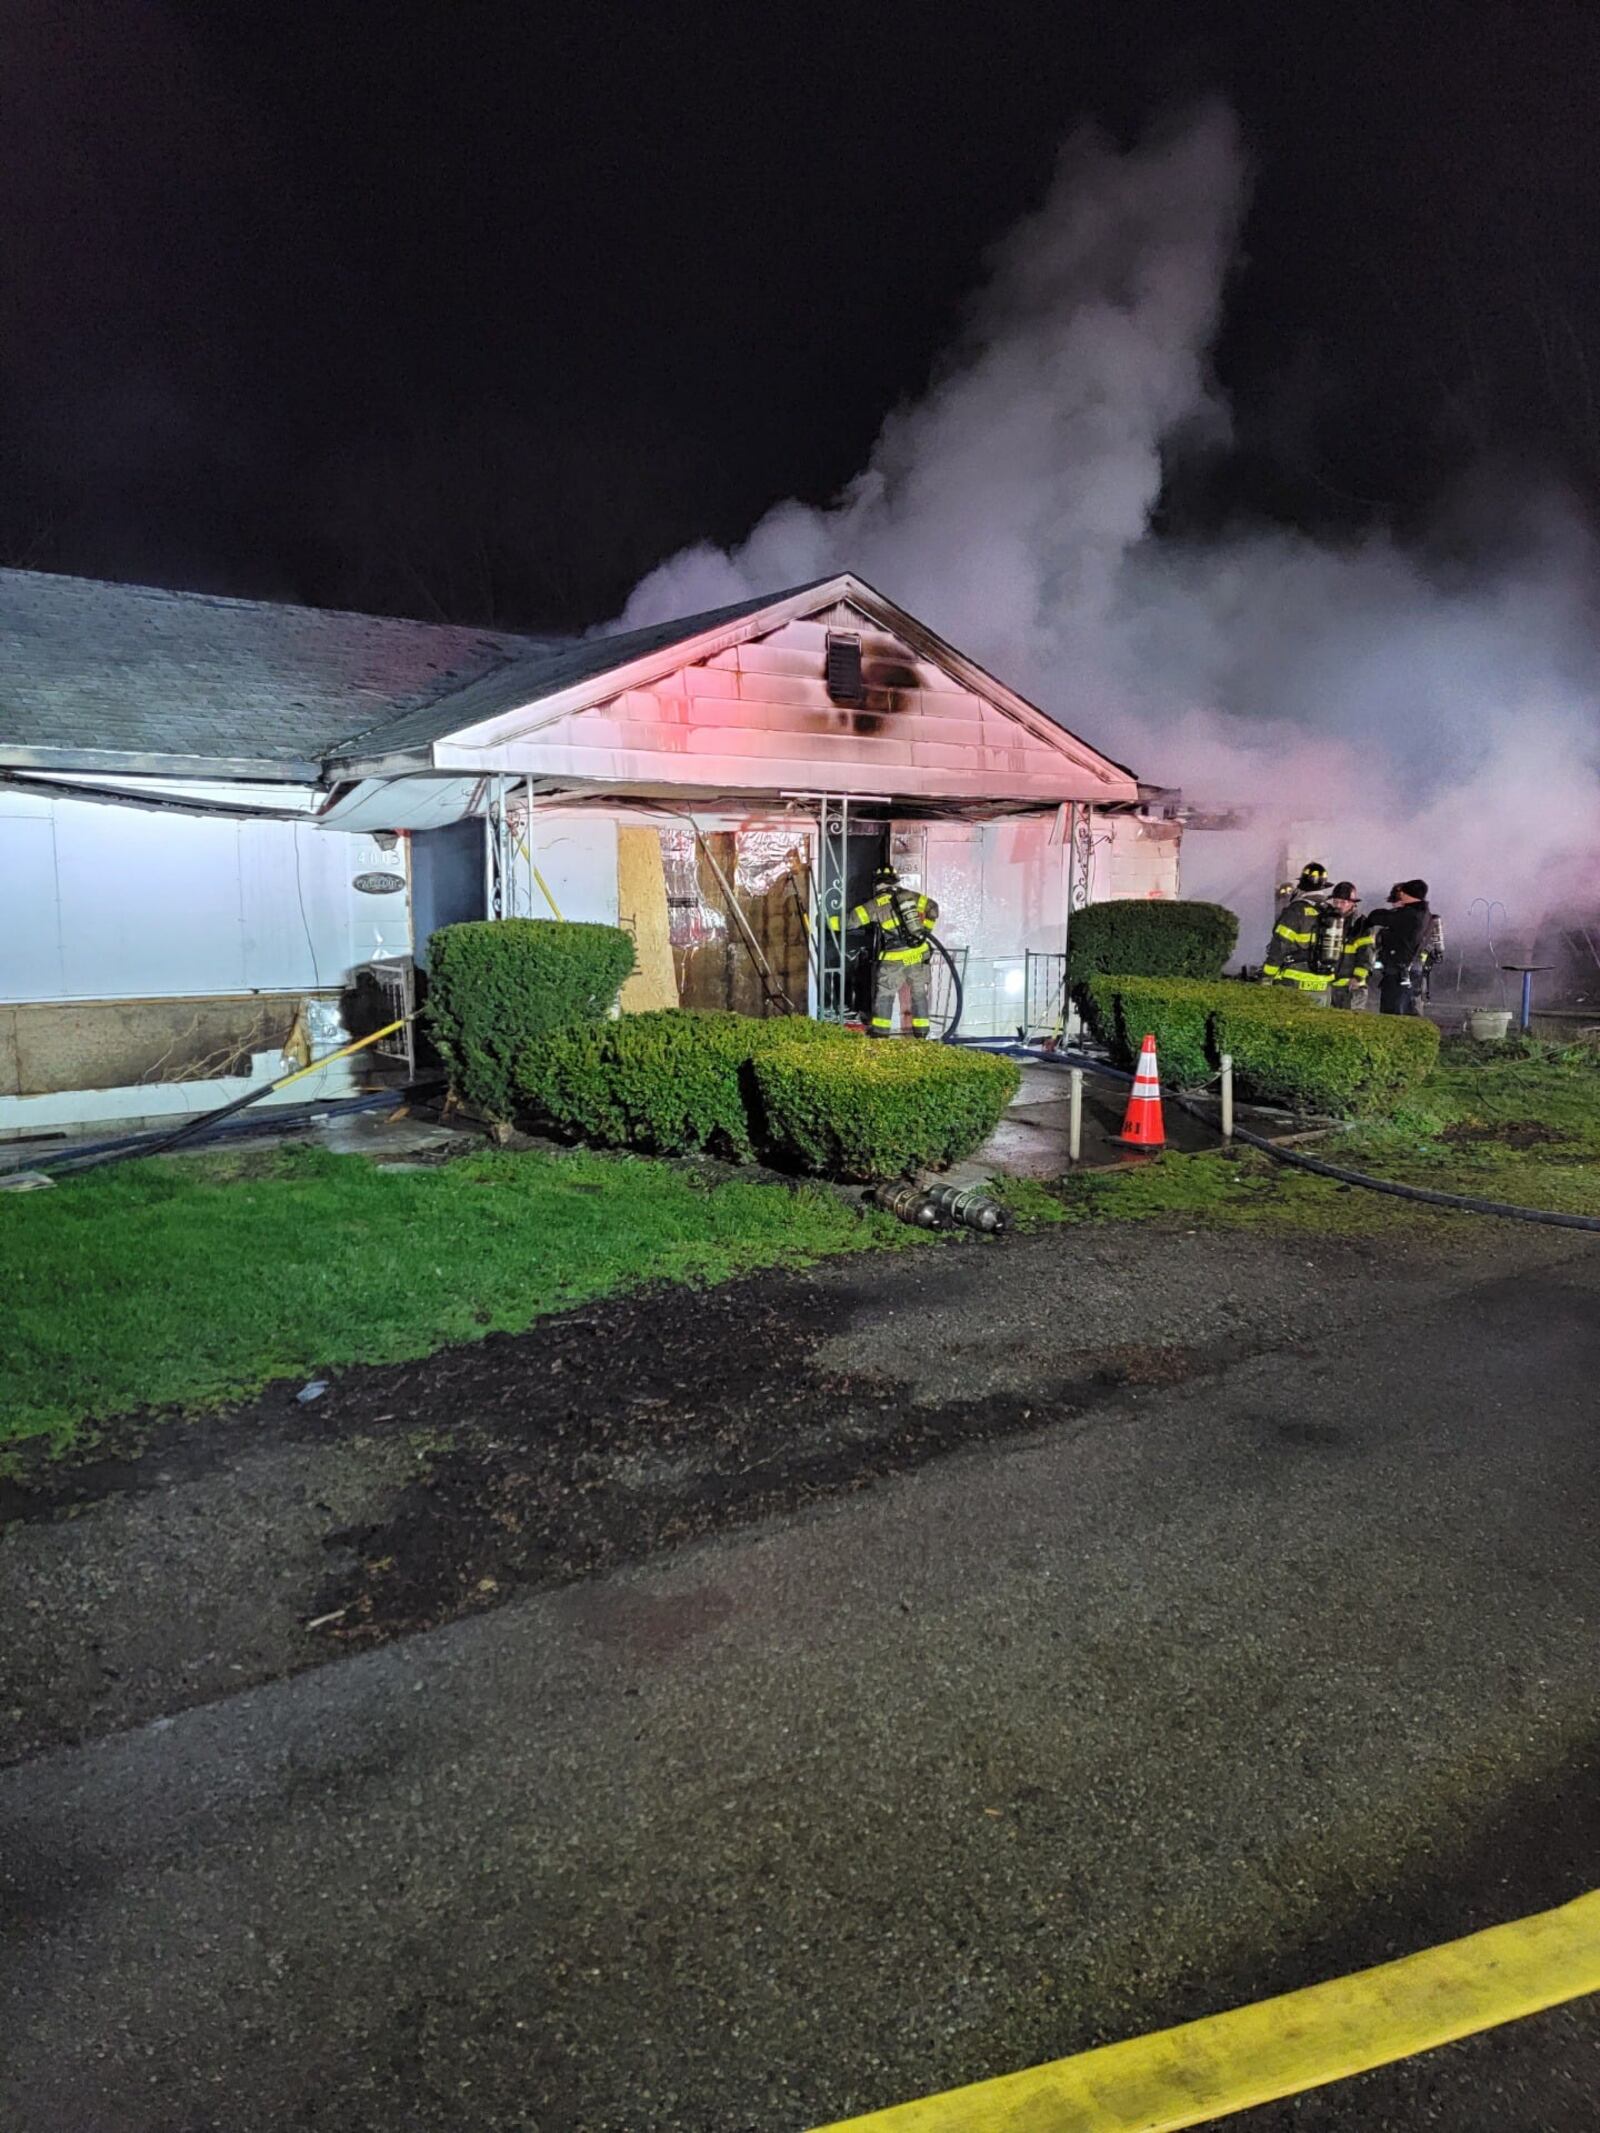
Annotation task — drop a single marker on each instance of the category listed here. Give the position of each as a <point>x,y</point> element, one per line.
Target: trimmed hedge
<point>496,984</point>
<point>670,1080</point>
<point>1151,937</point>
<point>822,1098</point>
<point>1175,1011</point>
<point>1317,1059</point>
<point>881,1110</point>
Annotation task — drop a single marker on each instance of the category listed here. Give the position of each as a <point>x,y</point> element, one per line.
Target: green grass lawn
<point>190,1282</point>
<point>1518,1123</point>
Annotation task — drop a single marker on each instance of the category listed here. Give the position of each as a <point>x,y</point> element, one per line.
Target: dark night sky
<point>479,309</point>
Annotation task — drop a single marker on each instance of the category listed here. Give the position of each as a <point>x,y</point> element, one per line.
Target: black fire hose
<point>76,1156</point>
<point>948,1033</point>
<point>1464,1203</point>
<point>202,1125</point>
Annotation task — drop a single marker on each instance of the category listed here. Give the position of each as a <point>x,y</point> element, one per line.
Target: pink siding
<point>758,718</point>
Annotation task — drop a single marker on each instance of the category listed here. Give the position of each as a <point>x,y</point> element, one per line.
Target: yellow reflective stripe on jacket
<point>1307,980</point>
<point>1287,933</point>
<point>860,916</point>
<point>905,955</point>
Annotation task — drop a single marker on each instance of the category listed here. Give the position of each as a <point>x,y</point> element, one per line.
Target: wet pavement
<point>1033,1140</point>
<point>1221,1686</point>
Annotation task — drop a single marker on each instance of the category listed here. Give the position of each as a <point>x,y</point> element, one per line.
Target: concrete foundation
<point>48,1047</point>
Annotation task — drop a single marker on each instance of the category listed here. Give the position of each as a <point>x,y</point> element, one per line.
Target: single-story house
<point>213,811</point>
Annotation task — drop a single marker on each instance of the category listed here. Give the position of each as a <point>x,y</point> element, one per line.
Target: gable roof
<point>646,708</point>
<point>102,677</point>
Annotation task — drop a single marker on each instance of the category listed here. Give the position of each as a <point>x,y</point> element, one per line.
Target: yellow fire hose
<point>327,1059</point>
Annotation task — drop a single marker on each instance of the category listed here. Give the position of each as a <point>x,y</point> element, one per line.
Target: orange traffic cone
<point>1142,1127</point>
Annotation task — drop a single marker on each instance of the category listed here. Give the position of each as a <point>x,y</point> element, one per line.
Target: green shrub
<point>1175,1011</point>
<point>1150,937</point>
<point>669,1080</point>
<point>1340,1064</point>
<point>881,1110</point>
<point>1285,1051</point>
<point>494,985</point>
<point>830,1101</point>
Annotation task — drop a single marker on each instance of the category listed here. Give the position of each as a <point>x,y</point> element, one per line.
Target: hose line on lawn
<point>1465,1203</point>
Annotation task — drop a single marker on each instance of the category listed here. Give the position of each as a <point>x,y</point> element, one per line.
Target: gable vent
<point>843,669</point>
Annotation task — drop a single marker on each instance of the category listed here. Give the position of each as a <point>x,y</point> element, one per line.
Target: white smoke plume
<point>1003,505</point>
<point>1414,717</point>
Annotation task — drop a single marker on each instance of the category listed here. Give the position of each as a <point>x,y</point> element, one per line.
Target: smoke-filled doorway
<point>864,847</point>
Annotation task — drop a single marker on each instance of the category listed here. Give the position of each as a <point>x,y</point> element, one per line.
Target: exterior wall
<point>575,852</point>
<point>1003,890</point>
<point>139,948</point>
<point>100,902</point>
<point>1131,856</point>
<point>153,1101</point>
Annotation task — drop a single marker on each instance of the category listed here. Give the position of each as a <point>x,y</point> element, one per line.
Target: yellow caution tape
<point>1251,2055</point>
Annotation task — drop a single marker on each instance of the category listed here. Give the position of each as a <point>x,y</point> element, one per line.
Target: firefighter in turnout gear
<point>1352,953</point>
<point>1403,931</point>
<point>902,922</point>
<point>1294,953</point>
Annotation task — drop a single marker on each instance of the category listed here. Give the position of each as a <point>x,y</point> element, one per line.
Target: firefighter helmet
<point>1313,878</point>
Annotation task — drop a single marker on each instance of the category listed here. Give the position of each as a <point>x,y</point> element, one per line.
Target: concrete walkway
<point>1033,1139</point>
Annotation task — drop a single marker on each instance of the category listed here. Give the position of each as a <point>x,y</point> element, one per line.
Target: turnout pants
<point>891,981</point>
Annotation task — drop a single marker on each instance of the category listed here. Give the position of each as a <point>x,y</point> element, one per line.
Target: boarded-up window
<point>766,872</point>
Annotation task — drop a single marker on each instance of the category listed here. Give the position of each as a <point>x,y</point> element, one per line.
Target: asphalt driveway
<point>1203,1689</point>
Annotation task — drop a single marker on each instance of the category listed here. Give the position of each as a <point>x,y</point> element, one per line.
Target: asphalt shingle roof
<point>95,669</point>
